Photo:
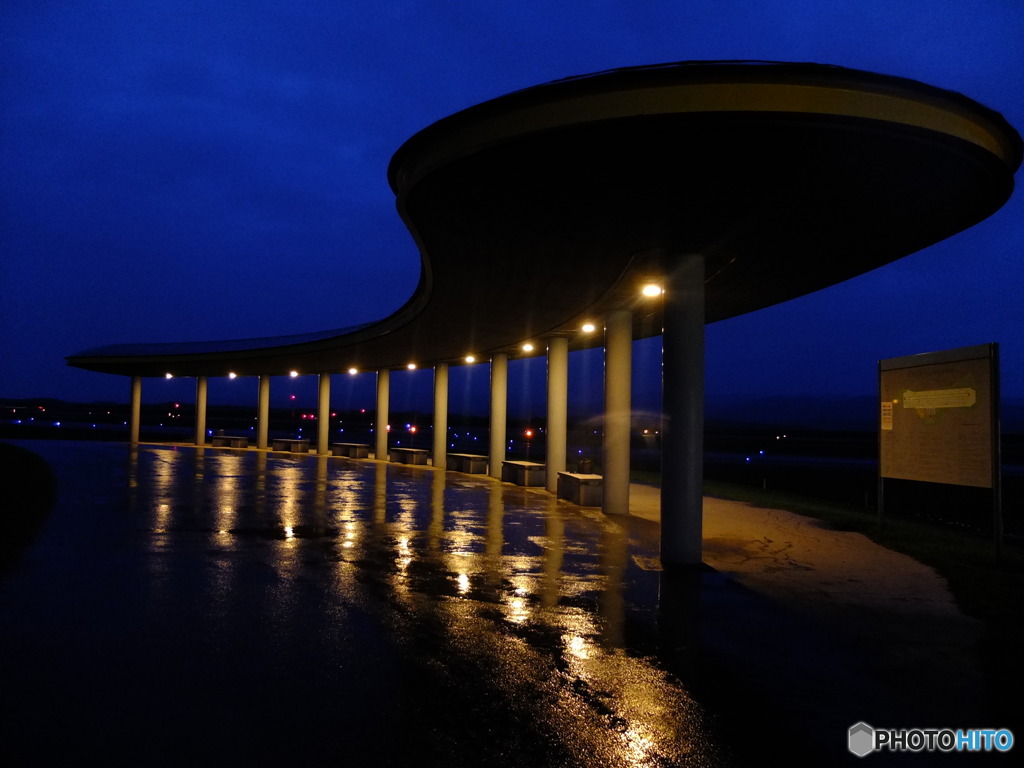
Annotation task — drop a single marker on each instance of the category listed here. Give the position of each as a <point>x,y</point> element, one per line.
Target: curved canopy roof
<point>546,208</point>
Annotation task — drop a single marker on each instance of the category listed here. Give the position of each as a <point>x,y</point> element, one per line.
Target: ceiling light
<point>652,290</point>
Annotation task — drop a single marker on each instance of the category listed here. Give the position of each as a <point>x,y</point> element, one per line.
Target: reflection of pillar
<point>380,493</point>
<point>260,501</point>
<point>201,387</point>
<point>435,531</point>
<point>136,409</point>
<point>441,415</point>
<point>618,353</point>
<point>554,553</point>
<point>380,429</point>
<point>263,417</point>
<point>324,414</point>
<point>613,559</point>
<point>558,395</point>
<point>682,462</point>
<point>499,405</point>
<point>320,498</point>
<point>494,538</point>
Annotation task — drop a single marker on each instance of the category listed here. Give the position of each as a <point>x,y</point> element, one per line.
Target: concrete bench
<point>351,450</point>
<point>295,445</point>
<point>409,455</point>
<point>585,490</point>
<point>229,441</point>
<point>527,473</point>
<point>470,463</point>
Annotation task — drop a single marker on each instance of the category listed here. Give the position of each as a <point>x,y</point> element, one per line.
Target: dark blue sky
<point>184,170</point>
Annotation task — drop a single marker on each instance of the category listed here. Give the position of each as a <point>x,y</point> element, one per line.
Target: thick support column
<point>136,409</point>
<point>440,453</point>
<point>323,430</point>
<point>618,366</point>
<point>558,402</point>
<point>499,410</point>
<point>682,453</point>
<point>380,428</point>
<point>263,413</point>
<point>201,388</point>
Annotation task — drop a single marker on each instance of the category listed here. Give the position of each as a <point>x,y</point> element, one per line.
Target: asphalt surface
<point>243,607</point>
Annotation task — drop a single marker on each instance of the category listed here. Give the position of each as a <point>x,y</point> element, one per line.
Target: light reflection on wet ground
<point>216,605</point>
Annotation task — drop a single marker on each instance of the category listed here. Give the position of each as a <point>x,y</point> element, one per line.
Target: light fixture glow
<point>652,290</point>
<point>527,347</point>
<point>232,375</point>
<point>168,375</point>
<point>353,371</point>
<point>470,359</point>
<point>411,366</point>
<point>588,327</point>
<point>294,374</point>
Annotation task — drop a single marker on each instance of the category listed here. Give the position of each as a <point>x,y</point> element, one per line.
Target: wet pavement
<point>212,606</point>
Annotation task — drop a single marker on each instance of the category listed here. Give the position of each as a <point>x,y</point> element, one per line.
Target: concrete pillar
<point>381,427</point>
<point>201,389</point>
<point>618,364</point>
<point>323,417</point>
<point>682,452</point>
<point>263,413</point>
<point>441,415</point>
<point>136,409</point>
<point>499,412</point>
<point>558,400</point>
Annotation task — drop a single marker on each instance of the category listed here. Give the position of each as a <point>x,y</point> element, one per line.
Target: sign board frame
<point>938,421</point>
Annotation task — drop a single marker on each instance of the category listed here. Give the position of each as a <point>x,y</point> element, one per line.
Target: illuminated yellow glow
<point>577,646</point>
<point>652,290</point>
<point>289,532</point>
<point>588,327</point>
<point>411,366</point>
<point>527,347</point>
<point>470,359</point>
<point>463,583</point>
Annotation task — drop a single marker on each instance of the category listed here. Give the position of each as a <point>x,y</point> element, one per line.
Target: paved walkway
<point>879,602</point>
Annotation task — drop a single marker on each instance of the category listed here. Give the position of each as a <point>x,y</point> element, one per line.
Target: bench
<point>229,441</point>
<point>585,490</point>
<point>295,445</point>
<point>527,473</point>
<point>351,450</point>
<point>409,455</point>
<point>470,463</point>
